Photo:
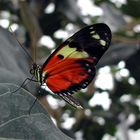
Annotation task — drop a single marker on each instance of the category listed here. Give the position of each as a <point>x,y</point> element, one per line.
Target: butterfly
<point>71,66</point>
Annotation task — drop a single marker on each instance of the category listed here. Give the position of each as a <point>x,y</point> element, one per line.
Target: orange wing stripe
<point>65,65</point>
<point>66,74</point>
<point>66,79</point>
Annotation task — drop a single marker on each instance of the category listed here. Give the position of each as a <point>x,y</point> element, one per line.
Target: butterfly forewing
<point>71,67</point>
<point>94,39</point>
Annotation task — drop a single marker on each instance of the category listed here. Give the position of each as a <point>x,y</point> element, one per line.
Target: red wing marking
<point>68,73</point>
<point>64,80</point>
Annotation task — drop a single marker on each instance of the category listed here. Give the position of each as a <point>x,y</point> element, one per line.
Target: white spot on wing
<point>92,32</point>
<point>91,27</point>
<point>89,70</point>
<point>96,36</point>
<point>102,42</point>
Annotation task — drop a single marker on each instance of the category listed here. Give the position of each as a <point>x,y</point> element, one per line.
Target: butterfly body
<point>71,66</point>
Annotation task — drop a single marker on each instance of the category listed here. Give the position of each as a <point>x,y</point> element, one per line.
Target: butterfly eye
<point>32,71</point>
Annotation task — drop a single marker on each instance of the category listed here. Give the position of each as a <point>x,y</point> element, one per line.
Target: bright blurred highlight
<point>47,41</point>
<point>87,8</point>
<point>104,79</point>
<point>100,99</point>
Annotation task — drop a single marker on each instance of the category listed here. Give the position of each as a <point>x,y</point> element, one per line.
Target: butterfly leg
<point>24,84</point>
<point>32,106</point>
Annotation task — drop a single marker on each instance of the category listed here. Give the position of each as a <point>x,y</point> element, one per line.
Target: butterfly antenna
<point>32,106</point>
<point>21,46</point>
<point>34,45</point>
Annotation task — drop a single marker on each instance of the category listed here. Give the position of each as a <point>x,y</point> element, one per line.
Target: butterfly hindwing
<point>71,67</point>
<point>71,100</point>
<point>70,75</point>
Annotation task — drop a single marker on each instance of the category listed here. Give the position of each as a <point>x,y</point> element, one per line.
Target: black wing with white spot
<point>94,39</point>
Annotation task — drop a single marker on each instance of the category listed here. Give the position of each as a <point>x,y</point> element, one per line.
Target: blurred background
<point>112,100</point>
